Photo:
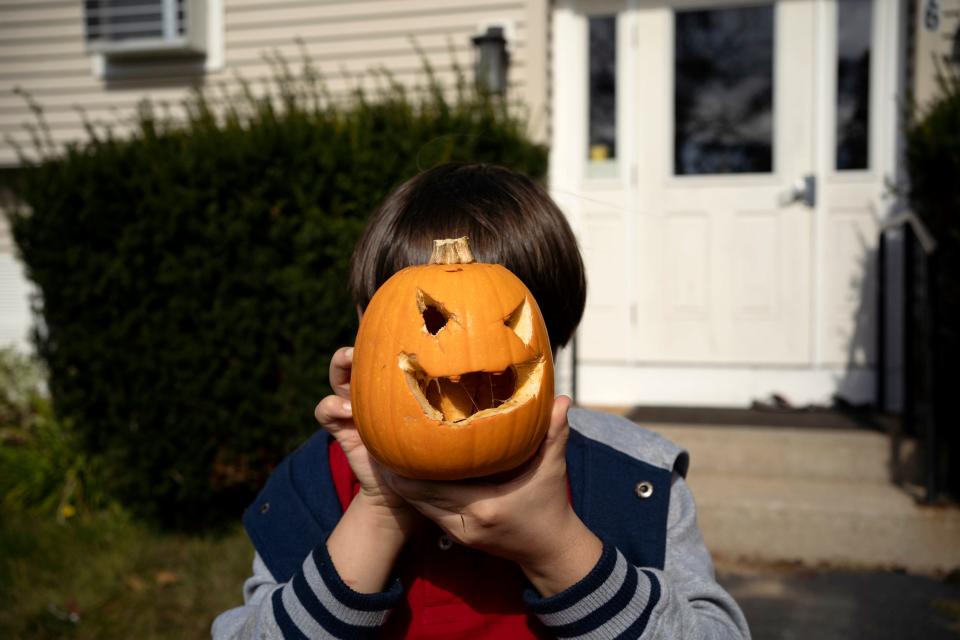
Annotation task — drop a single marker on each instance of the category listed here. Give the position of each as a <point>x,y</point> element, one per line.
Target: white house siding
<point>936,23</point>
<point>42,53</point>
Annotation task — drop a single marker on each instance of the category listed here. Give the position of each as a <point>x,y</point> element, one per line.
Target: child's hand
<point>369,536</point>
<point>335,414</point>
<point>524,517</point>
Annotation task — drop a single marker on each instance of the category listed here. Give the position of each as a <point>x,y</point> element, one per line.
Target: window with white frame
<point>137,27</point>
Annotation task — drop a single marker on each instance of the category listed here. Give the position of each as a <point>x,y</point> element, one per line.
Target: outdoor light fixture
<point>491,62</point>
<point>955,54</point>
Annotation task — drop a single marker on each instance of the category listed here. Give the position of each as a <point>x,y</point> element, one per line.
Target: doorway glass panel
<point>854,18</point>
<point>723,90</point>
<point>602,82</point>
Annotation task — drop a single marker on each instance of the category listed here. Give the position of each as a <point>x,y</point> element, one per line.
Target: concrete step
<point>814,496</point>
<point>785,452</point>
<point>823,521</point>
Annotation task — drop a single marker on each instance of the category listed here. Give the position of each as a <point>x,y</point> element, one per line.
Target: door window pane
<point>723,98</point>
<point>602,144</point>
<point>853,83</point>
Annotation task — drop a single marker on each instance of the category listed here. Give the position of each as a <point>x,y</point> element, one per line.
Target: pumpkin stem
<point>451,251</point>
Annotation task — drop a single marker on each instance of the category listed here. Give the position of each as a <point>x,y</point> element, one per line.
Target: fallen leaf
<point>136,584</point>
<point>165,577</point>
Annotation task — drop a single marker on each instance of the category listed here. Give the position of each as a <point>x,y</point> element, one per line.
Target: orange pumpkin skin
<point>396,355</point>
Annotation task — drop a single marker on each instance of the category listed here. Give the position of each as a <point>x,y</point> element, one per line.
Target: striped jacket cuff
<point>614,600</point>
<point>317,603</point>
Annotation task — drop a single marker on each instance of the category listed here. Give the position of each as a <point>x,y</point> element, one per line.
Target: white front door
<point>723,164</point>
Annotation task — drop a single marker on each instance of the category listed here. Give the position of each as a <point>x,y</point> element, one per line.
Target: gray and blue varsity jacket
<point>655,578</point>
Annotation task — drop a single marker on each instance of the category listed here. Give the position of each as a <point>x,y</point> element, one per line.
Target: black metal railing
<point>922,397</point>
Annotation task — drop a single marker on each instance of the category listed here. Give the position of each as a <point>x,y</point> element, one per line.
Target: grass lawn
<point>104,576</point>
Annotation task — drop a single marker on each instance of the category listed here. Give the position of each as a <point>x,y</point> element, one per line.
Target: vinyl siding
<point>42,53</point>
<point>932,46</point>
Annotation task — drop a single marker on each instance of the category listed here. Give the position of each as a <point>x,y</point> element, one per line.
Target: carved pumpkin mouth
<point>458,399</point>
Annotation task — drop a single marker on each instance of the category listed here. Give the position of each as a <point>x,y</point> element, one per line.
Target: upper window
<point>854,19</point>
<point>723,91</point>
<point>602,82</point>
<point>125,27</point>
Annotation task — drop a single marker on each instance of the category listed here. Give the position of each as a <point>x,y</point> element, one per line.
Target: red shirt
<point>450,591</point>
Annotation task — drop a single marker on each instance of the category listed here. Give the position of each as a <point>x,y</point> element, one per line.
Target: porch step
<point>788,452</point>
<point>816,521</point>
<point>814,496</point>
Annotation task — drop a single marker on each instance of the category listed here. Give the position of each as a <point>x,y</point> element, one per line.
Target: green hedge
<point>193,274</point>
<point>933,163</point>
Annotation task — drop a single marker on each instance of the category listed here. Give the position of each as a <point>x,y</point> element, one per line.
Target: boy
<point>595,537</point>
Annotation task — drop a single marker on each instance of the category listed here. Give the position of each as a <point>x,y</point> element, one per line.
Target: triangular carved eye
<point>435,317</point>
<point>520,321</point>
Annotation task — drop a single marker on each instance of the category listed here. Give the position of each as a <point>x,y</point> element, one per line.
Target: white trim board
<point>15,290</point>
<point>611,384</point>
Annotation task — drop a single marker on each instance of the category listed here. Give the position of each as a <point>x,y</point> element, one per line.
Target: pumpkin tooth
<point>417,382</point>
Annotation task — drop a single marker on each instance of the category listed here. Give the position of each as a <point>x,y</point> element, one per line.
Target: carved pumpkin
<point>452,372</point>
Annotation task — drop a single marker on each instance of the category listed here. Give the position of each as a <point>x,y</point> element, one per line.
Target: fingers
<point>429,495</point>
<point>340,365</point>
<point>419,490</point>
<point>333,410</point>
<point>433,507</point>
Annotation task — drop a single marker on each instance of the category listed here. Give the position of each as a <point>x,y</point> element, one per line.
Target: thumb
<point>555,443</point>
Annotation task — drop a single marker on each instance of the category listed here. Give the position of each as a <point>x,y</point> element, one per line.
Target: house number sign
<point>931,15</point>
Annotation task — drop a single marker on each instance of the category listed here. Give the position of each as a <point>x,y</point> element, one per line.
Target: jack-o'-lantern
<point>452,373</point>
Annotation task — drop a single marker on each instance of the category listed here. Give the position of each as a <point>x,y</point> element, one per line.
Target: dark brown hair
<point>509,219</point>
